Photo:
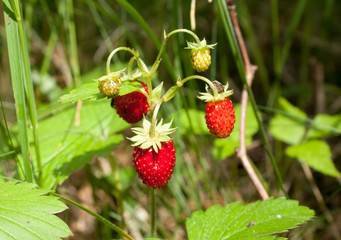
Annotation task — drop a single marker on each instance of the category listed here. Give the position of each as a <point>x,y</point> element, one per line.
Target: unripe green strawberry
<point>155,168</point>
<point>201,59</point>
<point>200,55</point>
<point>154,153</point>
<point>132,106</point>
<point>220,117</point>
<point>109,85</point>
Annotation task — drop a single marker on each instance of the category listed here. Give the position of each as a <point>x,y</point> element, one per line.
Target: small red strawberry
<point>155,168</point>
<point>220,117</point>
<point>154,156</point>
<point>200,55</point>
<point>132,106</point>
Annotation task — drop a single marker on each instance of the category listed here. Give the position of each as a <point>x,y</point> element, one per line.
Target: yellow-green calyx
<point>143,138</point>
<point>200,55</point>
<point>217,95</point>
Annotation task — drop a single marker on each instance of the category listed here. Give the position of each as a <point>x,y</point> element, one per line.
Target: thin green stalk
<point>152,212</point>
<point>166,37</point>
<point>139,19</point>
<point>118,187</point>
<point>122,49</point>
<point>15,58</point>
<point>305,53</point>
<point>254,46</point>
<point>280,57</point>
<point>228,26</point>
<point>74,61</point>
<point>10,142</point>
<point>276,53</point>
<point>97,216</point>
<point>289,36</point>
<point>29,90</point>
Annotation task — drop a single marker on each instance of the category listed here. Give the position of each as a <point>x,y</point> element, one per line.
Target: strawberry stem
<point>166,37</point>
<point>152,210</point>
<point>136,55</point>
<point>130,66</point>
<point>154,115</point>
<point>209,82</point>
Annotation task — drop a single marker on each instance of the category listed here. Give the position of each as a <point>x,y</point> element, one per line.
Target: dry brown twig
<point>250,73</point>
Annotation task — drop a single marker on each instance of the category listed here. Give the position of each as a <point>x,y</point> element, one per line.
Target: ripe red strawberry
<point>154,153</point>
<point>200,55</point>
<point>155,168</point>
<point>132,106</point>
<point>220,117</point>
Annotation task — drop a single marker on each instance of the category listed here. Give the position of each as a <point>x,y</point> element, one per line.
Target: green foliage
<point>251,221</point>
<point>26,212</point>
<point>288,129</point>
<point>316,154</point>
<point>226,147</point>
<point>70,139</point>
<point>86,92</point>
<point>90,92</point>
<point>325,125</point>
<point>193,120</point>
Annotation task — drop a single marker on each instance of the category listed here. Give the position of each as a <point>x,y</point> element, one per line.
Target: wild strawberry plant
<point>71,138</point>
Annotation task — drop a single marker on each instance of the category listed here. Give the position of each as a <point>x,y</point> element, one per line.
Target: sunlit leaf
<point>285,128</point>
<point>248,222</point>
<point>316,154</point>
<point>26,212</point>
<point>325,125</point>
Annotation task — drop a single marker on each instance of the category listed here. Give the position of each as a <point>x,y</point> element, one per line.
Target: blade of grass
<point>72,42</point>
<point>28,83</point>
<point>280,56</point>
<point>97,216</point>
<point>15,59</point>
<point>228,27</point>
<point>7,136</point>
<point>274,92</point>
<point>289,36</point>
<point>254,46</point>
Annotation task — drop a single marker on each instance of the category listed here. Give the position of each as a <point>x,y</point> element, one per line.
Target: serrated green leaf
<point>27,213</point>
<point>67,144</point>
<point>285,128</point>
<point>86,92</point>
<point>251,221</point>
<point>226,147</point>
<point>90,92</point>
<point>316,154</point>
<point>325,125</point>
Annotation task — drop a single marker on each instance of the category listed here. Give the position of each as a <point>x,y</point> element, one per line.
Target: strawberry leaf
<point>285,128</point>
<point>252,221</point>
<point>316,154</point>
<point>86,92</point>
<point>26,212</point>
<point>325,125</point>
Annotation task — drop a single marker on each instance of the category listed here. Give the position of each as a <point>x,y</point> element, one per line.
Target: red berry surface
<point>155,168</point>
<point>220,117</point>
<point>132,106</point>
